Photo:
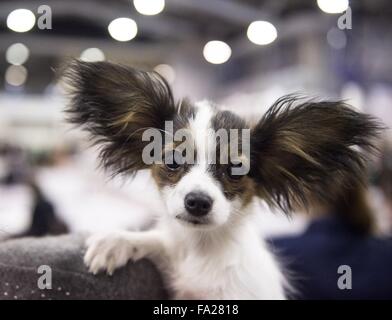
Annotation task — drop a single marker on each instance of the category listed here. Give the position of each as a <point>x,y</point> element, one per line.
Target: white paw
<point>110,251</point>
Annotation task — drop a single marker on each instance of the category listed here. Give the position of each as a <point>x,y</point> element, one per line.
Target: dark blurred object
<point>342,236</point>
<point>382,180</point>
<point>354,211</point>
<point>20,167</point>
<point>385,174</point>
<point>44,219</point>
<point>315,256</point>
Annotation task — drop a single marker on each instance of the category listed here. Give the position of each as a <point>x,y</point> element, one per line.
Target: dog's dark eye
<point>232,174</point>
<point>171,163</point>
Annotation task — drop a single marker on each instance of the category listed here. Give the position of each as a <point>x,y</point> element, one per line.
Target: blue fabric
<point>314,257</point>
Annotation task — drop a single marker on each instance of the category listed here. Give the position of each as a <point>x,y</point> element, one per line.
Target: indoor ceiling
<point>183,25</point>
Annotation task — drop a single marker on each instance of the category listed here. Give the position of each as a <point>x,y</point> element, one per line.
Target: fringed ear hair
<point>115,104</point>
<point>307,149</point>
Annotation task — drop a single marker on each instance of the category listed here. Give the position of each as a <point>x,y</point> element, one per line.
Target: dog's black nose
<point>198,204</point>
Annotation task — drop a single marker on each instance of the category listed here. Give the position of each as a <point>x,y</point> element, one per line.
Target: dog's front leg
<point>112,250</point>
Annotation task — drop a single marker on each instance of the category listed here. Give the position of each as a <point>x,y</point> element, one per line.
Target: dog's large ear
<point>115,104</point>
<point>304,150</point>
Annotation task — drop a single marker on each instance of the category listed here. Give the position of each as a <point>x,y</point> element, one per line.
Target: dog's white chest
<point>230,275</point>
<point>195,278</point>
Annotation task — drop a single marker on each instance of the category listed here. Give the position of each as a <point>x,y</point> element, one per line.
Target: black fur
<point>308,149</point>
<point>115,103</point>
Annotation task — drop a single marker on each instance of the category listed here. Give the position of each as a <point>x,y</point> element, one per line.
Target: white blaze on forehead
<point>199,127</point>
<point>198,178</point>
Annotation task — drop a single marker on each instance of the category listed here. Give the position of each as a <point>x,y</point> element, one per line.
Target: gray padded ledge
<point>20,259</point>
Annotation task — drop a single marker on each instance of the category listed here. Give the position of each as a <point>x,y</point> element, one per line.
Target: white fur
<point>224,260</point>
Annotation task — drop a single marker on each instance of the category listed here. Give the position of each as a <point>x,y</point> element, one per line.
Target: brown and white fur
<point>299,150</point>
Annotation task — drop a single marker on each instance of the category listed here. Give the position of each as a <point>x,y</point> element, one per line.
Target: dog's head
<point>209,164</point>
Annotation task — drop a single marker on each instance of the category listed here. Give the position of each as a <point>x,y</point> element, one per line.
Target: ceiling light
<point>17,54</point>
<point>166,71</point>
<point>92,55</point>
<point>262,32</point>
<point>123,29</point>
<point>149,7</point>
<point>217,52</point>
<point>21,20</point>
<point>333,6</point>
<point>16,75</point>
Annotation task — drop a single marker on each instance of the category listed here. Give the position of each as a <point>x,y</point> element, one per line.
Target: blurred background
<point>242,54</point>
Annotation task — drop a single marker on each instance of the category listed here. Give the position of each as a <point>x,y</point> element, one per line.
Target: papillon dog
<point>205,241</point>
